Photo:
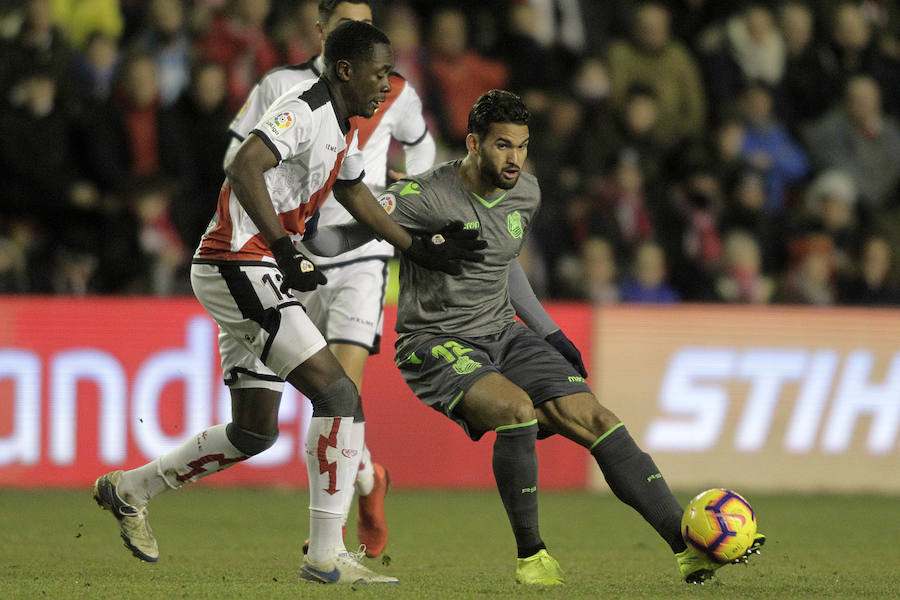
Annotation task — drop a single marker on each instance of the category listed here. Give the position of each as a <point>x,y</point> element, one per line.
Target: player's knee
<point>518,409</point>
<point>340,398</point>
<point>249,442</point>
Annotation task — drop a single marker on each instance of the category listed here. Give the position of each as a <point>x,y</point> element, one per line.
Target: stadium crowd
<point>688,150</point>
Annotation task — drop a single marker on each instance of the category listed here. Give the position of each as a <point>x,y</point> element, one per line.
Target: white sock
<point>357,444</point>
<point>365,474</point>
<point>206,453</point>
<point>327,445</point>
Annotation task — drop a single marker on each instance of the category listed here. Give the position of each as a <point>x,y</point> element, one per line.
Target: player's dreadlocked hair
<point>327,7</point>
<point>496,106</point>
<point>353,41</point>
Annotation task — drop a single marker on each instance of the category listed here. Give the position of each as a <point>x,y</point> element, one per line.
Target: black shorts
<point>443,367</point>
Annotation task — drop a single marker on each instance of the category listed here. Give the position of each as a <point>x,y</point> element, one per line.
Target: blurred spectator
<point>654,59</point>
<point>80,18</point>
<point>531,60</point>
<point>13,268</point>
<point>746,211</point>
<point>769,148</point>
<point>619,209</point>
<point>139,107</point>
<point>691,233</point>
<point>404,29</point>
<point>41,171</point>
<point>830,208</point>
<point>874,282</point>
<point>162,251</point>
<point>742,280</point>
<point>857,137</point>
<point>648,280</point>
<point>727,144</point>
<point>810,278</point>
<point>635,131</point>
<point>748,47</point>
<point>166,39</point>
<point>38,43</point>
<point>193,139</point>
<point>808,84</point>
<point>96,68</point>
<point>297,35</point>
<point>857,52</point>
<point>237,39</point>
<point>459,75</point>
<point>595,279</point>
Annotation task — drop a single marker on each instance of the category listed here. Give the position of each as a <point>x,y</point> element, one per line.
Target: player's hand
<point>444,250</point>
<point>564,346</point>
<point>298,272</point>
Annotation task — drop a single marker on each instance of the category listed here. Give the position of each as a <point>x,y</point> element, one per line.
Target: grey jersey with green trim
<point>476,302</point>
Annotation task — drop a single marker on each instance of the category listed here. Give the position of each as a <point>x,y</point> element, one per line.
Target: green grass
<point>244,543</point>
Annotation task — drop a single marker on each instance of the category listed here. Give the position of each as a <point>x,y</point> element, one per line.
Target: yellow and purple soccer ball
<point>719,523</point>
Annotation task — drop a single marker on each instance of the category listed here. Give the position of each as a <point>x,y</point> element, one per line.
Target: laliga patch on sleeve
<point>280,123</point>
<point>388,202</point>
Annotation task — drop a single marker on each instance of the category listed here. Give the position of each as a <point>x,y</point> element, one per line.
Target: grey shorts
<point>443,367</point>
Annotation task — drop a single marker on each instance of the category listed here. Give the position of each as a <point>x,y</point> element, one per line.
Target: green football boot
<point>539,569</point>
<point>695,567</point>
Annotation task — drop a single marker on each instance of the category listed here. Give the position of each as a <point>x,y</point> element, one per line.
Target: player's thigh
<point>251,310</point>
<point>353,359</point>
<point>537,367</point>
<point>355,305</point>
<point>441,370</point>
<point>578,417</point>
<point>494,401</point>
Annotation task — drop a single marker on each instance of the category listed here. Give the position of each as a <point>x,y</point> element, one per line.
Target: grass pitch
<point>245,543</point>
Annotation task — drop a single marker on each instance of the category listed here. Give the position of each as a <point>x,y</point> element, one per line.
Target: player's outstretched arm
<point>529,309</point>
<point>442,251</point>
<point>333,240</point>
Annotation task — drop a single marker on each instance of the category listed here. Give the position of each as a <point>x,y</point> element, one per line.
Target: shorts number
<point>455,354</point>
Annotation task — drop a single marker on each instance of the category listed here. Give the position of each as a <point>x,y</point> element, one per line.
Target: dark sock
<point>635,480</point>
<point>516,473</point>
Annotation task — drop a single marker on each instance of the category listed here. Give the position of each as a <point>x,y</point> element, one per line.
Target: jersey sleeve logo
<point>279,124</point>
<point>388,202</point>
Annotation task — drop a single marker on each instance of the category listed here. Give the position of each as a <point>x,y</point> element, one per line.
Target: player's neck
<point>472,180</point>
<point>340,104</point>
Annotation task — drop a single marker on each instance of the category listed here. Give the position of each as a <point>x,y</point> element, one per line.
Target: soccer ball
<point>719,523</point>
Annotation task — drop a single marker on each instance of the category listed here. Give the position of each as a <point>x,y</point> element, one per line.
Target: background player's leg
<point>631,473</point>
<point>371,523</point>
<point>334,400</point>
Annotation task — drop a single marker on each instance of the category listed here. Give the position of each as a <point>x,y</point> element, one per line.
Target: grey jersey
<point>476,302</point>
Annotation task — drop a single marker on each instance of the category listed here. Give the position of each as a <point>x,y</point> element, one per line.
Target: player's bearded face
<point>502,153</point>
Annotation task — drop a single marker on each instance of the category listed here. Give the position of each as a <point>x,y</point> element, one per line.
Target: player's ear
<point>344,70</point>
<point>472,143</point>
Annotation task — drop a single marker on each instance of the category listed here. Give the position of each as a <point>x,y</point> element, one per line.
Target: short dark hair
<point>496,106</point>
<point>327,8</point>
<point>353,41</point>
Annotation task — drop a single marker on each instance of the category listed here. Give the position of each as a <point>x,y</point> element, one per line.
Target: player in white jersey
<point>348,311</point>
<point>243,273</point>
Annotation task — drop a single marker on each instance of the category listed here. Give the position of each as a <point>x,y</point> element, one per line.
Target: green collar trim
<point>492,203</point>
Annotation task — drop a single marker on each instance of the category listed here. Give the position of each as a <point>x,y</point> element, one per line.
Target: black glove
<point>443,250</point>
<point>298,272</point>
<point>564,346</point>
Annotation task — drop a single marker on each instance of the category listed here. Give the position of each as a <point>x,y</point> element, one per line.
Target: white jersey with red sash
<point>398,117</point>
<point>314,150</point>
